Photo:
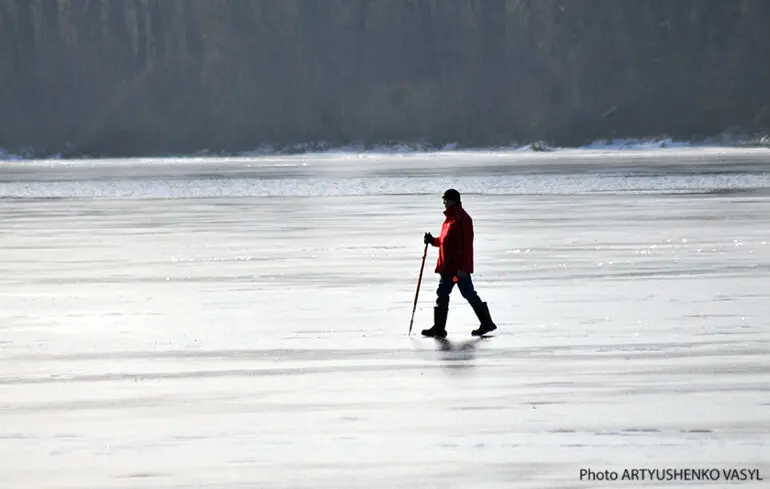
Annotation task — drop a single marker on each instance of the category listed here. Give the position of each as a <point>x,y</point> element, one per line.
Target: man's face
<point>448,203</point>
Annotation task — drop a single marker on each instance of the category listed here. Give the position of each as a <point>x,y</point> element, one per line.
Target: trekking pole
<point>417,292</point>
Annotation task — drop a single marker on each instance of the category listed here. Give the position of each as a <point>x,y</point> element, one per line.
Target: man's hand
<point>428,238</point>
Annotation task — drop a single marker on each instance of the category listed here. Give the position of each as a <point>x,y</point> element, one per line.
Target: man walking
<point>455,266</point>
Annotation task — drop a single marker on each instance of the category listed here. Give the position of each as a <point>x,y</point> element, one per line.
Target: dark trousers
<point>465,284</point>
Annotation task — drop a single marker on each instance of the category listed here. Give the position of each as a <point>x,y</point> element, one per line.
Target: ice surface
<point>233,323</point>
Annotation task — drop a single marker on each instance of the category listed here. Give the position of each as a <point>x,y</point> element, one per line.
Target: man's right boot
<point>487,326</point>
<point>439,323</point>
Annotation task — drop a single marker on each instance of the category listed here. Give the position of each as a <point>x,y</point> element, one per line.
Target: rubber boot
<point>487,326</point>
<point>439,323</point>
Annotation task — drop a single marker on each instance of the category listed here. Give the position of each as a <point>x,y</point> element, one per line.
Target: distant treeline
<point>138,77</point>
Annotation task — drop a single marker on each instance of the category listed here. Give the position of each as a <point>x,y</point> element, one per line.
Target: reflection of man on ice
<point>455,266</point>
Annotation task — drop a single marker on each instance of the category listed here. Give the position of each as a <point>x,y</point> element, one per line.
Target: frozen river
<point>242,323</point>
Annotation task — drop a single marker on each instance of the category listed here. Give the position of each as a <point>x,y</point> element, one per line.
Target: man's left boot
<point>438,330</point>
<point>487,326</point>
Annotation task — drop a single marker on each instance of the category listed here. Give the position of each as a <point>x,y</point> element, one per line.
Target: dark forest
<point>142,77</point>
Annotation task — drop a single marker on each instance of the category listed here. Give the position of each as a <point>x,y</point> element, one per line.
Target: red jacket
<point>455,244</point>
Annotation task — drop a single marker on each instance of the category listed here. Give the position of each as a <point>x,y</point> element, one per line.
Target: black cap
<point>451,194</point>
